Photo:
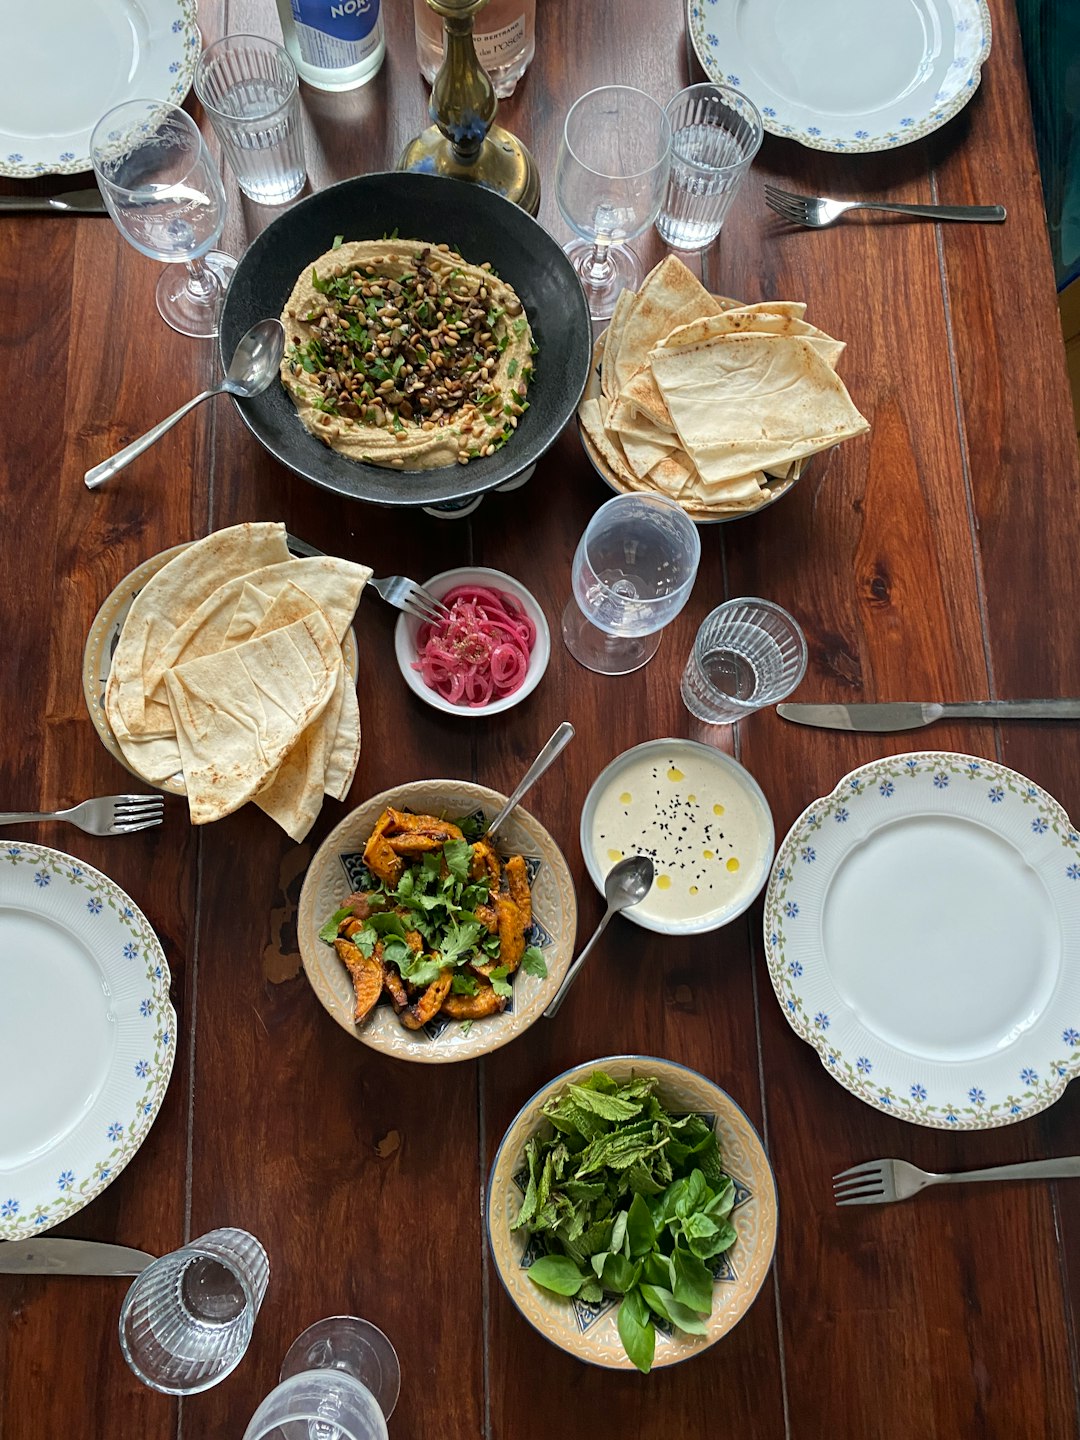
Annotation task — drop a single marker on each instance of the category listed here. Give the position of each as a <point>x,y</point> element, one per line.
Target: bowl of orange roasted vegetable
<point>429,939</point>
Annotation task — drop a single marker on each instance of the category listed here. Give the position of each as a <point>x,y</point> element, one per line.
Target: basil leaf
<point>619,1275</point>
<point>533,962</point>
<point>636,1331</point>
<point>557,1273</point>
<point>693,1283</point>
<point>639,1227</point>
<point>658,1270</point>
<point>618,1231</point>
<point>598,1261</point>
<point>685,1318</point>
<point>330,929</point>
<point>693,1197</point>
<point>720,1206</point>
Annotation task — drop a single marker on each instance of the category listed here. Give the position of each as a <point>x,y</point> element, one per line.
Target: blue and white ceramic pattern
<point>69,62</point>
<point>842,77</point>
<point>922,929</point>
<point>87,1035</point>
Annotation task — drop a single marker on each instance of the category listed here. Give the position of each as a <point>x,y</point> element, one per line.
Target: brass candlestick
<point>463,142</point>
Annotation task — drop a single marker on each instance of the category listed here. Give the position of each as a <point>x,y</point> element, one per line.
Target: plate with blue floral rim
<point>69,63</point>
<point>590,1332</point>
<point>922,931</point>
<point>87,1035</point>
<point>338,869</point>
<point>842,77</point>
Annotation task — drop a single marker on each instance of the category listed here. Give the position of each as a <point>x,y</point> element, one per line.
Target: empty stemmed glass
<point>339,1381</point>
<point>633,572</point>
<point>610,180</point>
<point>162,189</point>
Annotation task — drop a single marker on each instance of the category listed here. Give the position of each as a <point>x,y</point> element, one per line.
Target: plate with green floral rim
<point>843,77</point>
<point>68,63</point>
<point>589,1331</point>
<point>87,1035</point>
<point>922,930</point>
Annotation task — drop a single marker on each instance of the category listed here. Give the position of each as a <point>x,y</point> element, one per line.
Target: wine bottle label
<point>493,48</point>
<point>333,34</point>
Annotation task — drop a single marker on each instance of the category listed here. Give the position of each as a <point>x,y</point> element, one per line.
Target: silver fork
<point>108,815</point>
<point>405,594</point>
<point>817,211</point>
<point>880,1182</point>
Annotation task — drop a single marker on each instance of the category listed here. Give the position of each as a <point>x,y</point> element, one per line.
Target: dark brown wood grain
<point>933,558</point>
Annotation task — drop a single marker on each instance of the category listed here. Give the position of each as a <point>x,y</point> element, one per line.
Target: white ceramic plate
<point>87,1035</point>
<point>922,926</point>
<point>590,1332</point>
<point>104,636</point>
<point>408,627</point>
<point>336,871</point>
<point>841,76</point>
<point>730,864</point>
<point>66,63</point>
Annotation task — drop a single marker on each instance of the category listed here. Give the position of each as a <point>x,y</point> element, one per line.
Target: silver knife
<point>912,715</point>
<point>70,1257</point>
<point>78,202</point>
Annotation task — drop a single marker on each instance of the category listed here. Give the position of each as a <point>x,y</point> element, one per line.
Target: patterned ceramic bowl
<point>589,1332</point>
<point>334,873</point>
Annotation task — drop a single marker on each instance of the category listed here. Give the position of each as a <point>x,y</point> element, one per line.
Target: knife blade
<point>78,202</point>
<point>912,715</point>
<point>57,1256</point>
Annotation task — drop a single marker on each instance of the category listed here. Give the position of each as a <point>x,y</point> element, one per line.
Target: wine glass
<point>352,1345</point>
<point>610,180</point>
<point>164,193</point>
<point>318,1405</point>
<point>633,572</point>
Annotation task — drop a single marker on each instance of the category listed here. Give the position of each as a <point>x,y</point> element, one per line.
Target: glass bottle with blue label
<point>334,44</point>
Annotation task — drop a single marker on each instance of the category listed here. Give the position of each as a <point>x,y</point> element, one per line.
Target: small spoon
<point>627,884</point>
<point>254,366</point>
<point>554,747</point>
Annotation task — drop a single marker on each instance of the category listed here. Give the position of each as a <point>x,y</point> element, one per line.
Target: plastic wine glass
<point>355,1347</point>
<point>162,189</point>
<point>610,180</point>
<point>632,573</point>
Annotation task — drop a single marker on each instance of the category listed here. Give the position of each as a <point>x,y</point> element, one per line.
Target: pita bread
<point>758,322</point>
<point>744,402</point>
<point>670,296</point>
<point>239,712</point>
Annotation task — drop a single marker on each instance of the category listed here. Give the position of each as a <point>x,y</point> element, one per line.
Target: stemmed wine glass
<point>164,193</point>
<point>633,571</point>
<point>339,1381</point>
<point>610,180</point>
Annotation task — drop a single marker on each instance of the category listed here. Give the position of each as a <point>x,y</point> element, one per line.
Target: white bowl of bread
<point>714,403</point>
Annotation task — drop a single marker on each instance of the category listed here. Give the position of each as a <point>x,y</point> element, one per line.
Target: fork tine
<point>137,812</point>
<point>431,602</point>
<point>852,1187</point>
<point>125,827</point>
<point>796,214</point>
<point>419,612</point>
<point>778,194</point>
<point>866,1169</point>
<point>875,1199</point>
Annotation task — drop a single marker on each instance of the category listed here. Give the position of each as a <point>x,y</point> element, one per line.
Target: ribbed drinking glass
<point>715,133</point>
<point>187,1320</point>
<point>747,654</point>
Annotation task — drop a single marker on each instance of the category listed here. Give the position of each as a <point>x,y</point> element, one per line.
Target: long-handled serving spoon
<point>253,367</point>
<point>627,884</point>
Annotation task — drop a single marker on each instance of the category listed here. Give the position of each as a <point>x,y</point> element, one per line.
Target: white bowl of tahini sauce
<point>701,818</point>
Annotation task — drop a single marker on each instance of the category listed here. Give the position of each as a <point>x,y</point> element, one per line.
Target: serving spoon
<point>627,884</point>
<point>554,747</point>
<point>253,367</point>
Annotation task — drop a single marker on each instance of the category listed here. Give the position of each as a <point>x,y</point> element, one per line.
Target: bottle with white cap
<point>334,44</point>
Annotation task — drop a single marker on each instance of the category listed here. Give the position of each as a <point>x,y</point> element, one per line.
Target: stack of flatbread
<point>710,402</point>
<point>229,674</point>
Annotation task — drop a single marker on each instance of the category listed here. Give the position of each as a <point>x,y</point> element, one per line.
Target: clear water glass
<point>632,573</point>
<point>352,1345</point>
<point>610,178</point>
<point>187,1320</point>
<point>715,133</point>
<point>249,88</point>
<point>747,654</point>
<point>318,1405</point>
<point>162,188</point>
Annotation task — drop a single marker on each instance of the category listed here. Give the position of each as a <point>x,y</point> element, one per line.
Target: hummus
<point>400,353</point>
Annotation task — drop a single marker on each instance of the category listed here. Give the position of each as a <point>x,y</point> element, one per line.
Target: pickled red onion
<point>481,653</point>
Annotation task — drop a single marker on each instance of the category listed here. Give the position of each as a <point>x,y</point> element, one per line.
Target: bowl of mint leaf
<point>631,1212</point>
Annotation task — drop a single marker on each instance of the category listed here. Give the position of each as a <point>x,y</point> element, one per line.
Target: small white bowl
<point>725,779</point>
<point>408,628</point>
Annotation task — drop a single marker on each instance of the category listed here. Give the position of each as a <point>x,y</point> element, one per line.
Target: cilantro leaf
<point>330,929</point>
<point>339,240</point>
<point>464,985</point>
<point>499,982</point>
<point>458,856</point>
<point>533,962</point>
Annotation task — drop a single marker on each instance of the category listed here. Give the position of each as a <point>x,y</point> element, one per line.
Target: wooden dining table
<point>934,558</point>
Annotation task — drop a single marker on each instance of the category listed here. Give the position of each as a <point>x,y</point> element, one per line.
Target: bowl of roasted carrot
<point>428,938</point>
